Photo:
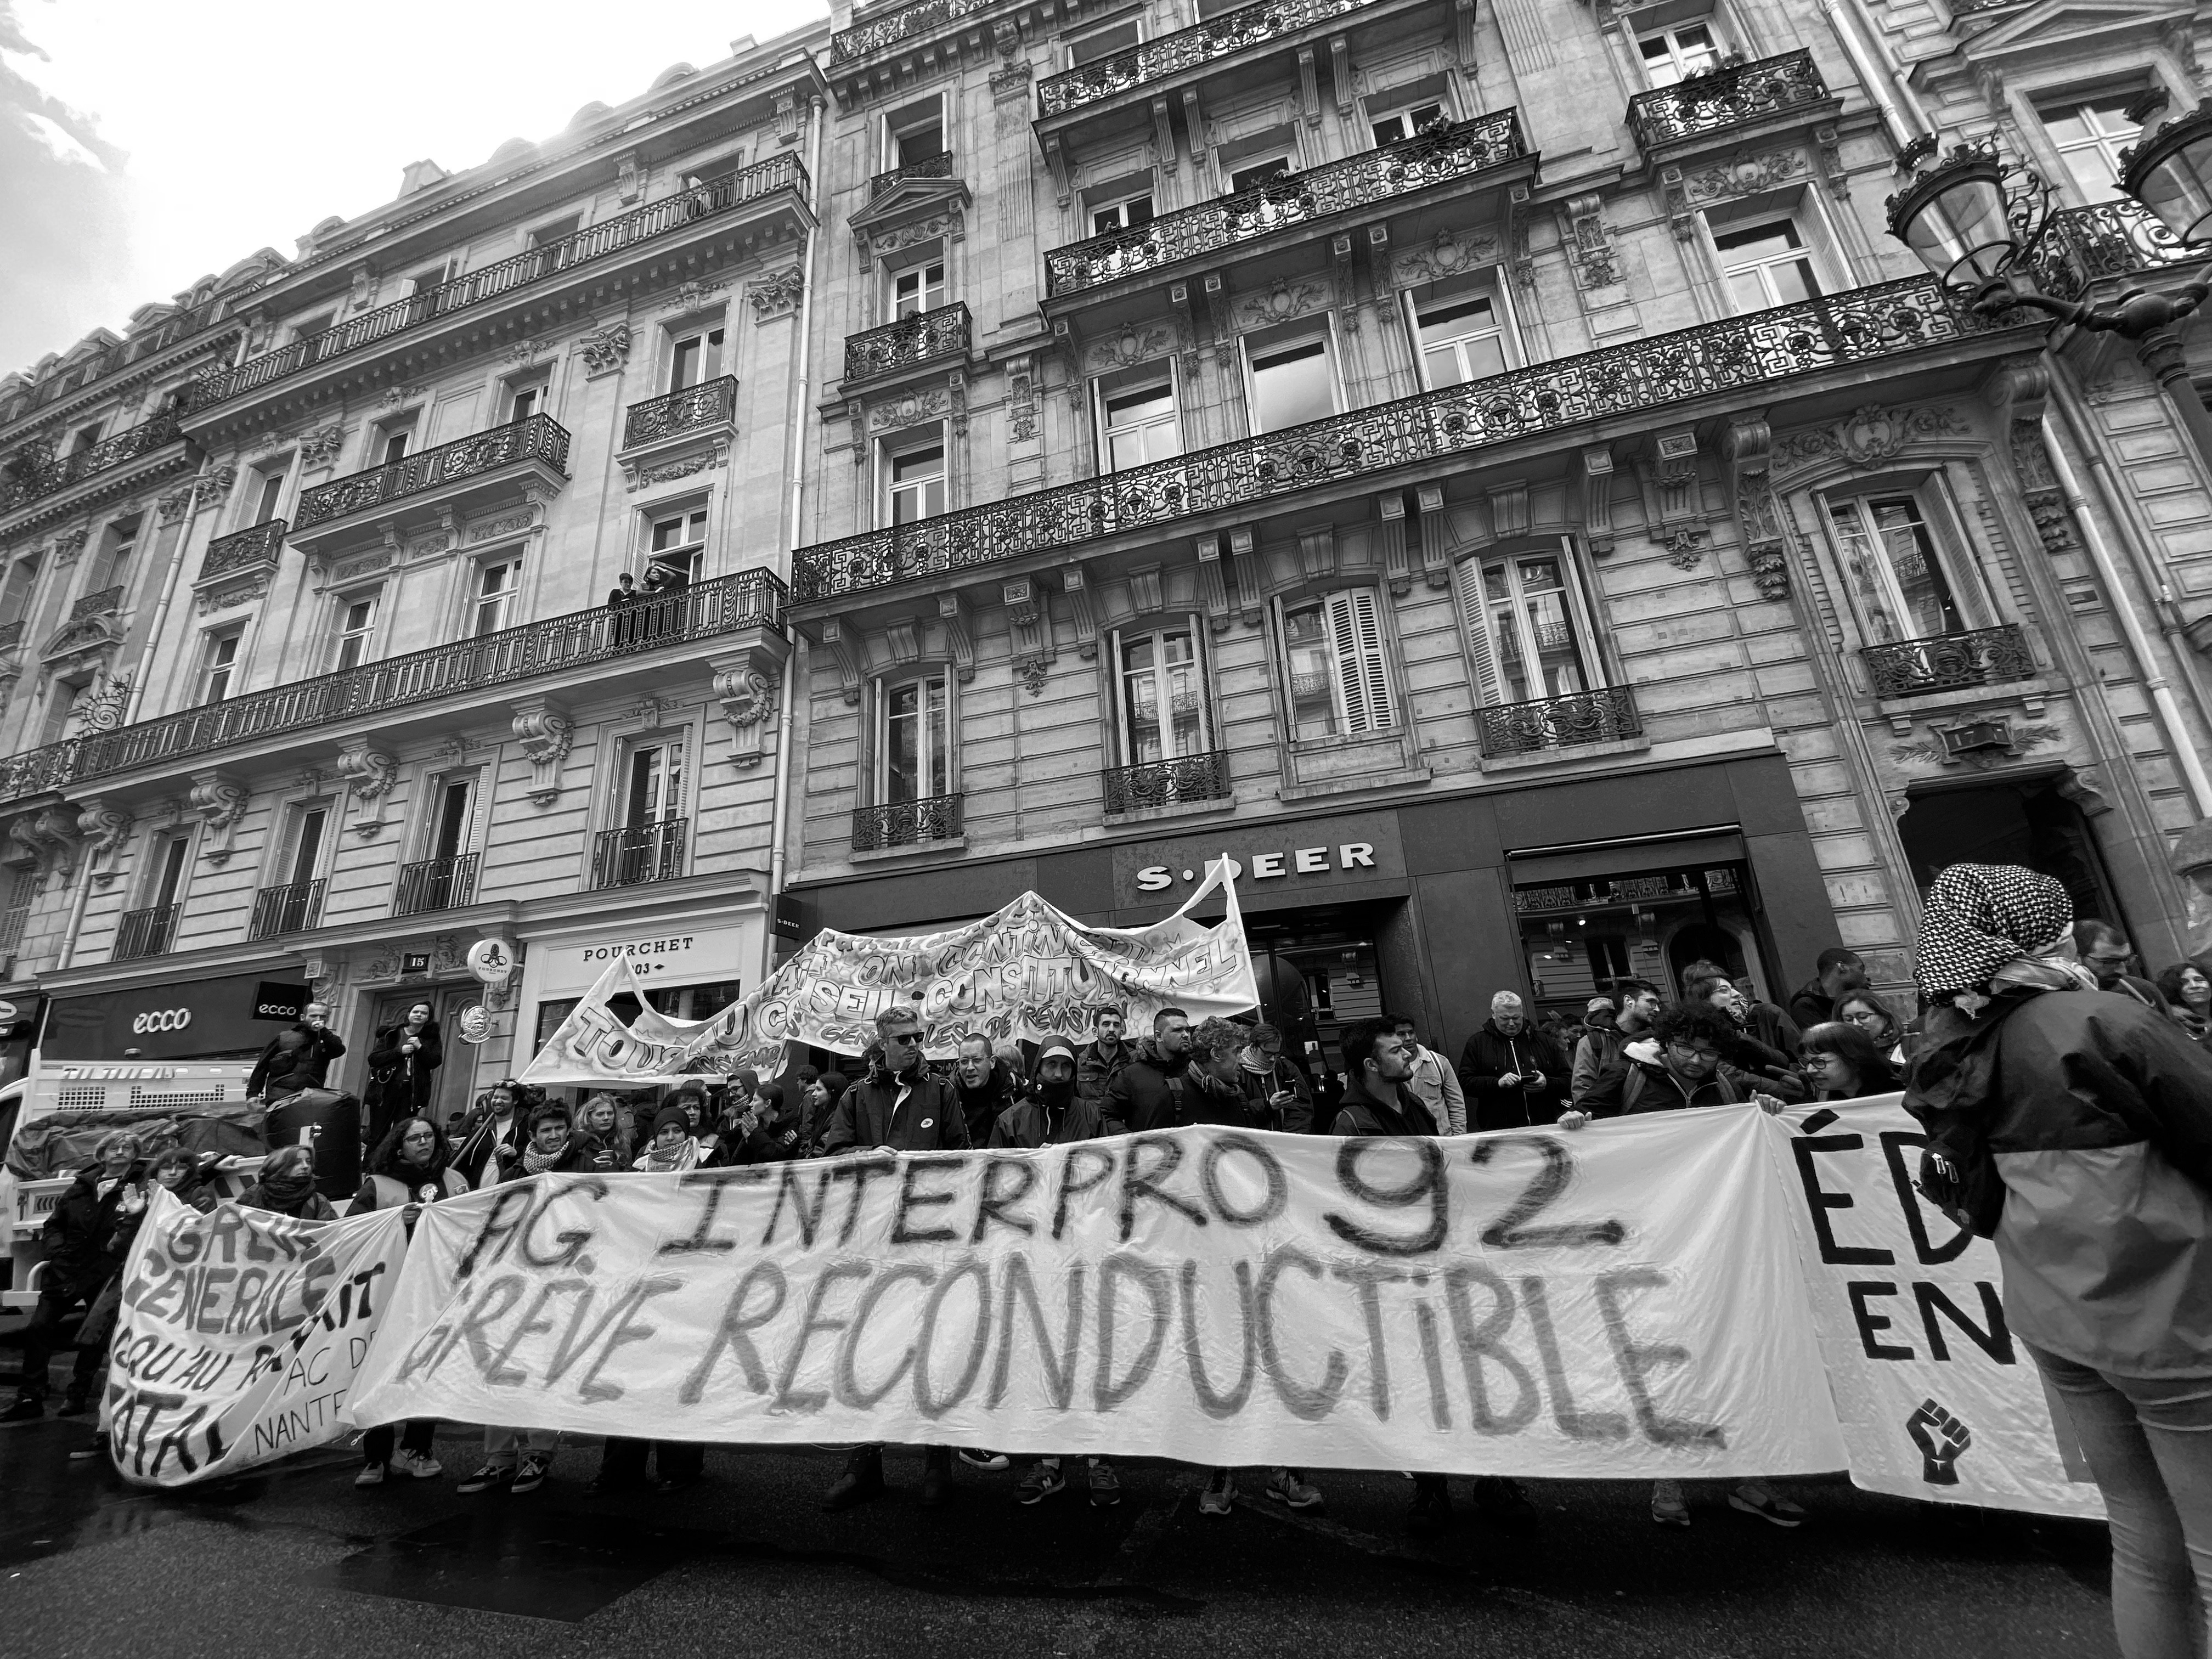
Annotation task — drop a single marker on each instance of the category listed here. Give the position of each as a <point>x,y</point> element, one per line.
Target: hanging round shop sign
<point>492,960</point>
<point>476,1022</point>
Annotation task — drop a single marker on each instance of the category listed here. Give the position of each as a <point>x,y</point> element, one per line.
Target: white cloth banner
<point>1936,1399</point>
<point>1027,971</point>
<point>240,1336</point>
<point>1623,1302</point>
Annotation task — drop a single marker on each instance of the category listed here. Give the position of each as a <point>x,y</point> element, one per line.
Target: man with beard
<point>1602,1043</point>
<point>1147,1093</point>
<point>1100,1060</point>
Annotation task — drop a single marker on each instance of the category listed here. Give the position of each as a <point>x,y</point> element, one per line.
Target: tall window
<point>1138,425</point>
<point>1125,214</point>
<point>392,448</point>
<point>16,592</point>
<point>307,827</point>
<point>1462,339</point>
<point>1895,571</point>
<point>1339,681</point>
<point>918,289</point>
<point>1766,264</point>
<point>655,788</point>
<point>1401,124</point>
<point>272,492</point>
<point>679,544</point>
<point>219,664</point>
<point>118,546</point>
<point>169,866</point>
<point>694,358</point>
<point>915,749</point>
<point>917,481</point>
<point>62,699</point>
<point>918,139</point>
<point>1164,713</point>
<point>355,630</point>
<point>1103,43</point>
<point>1672,55</point>
<point>1292,382</point>
<point>495,588</point>
<point>2090,137</point>
<point>452,816</point>
<point>1525,628</point>
<point>527,396</point>
<point>1261,170</point>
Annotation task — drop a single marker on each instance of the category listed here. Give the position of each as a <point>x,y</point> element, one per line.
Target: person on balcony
<point>403,1070</point>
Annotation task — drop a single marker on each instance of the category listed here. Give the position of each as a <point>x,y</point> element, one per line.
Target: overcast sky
<point>144,145</point>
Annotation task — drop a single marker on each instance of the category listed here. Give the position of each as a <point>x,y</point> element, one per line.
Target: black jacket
<point>1810,1005</point>
<point>313,1059</point>
<point>400,1085</point>
<point>1094,1072</point>
<point>1145,1095</point>
<point>870,1114</point>
<point>1490,1055</point>
<point>79,1232</point>
<point>1363,1114</point>
<point>980,1107</point>
<point>1030,1122</point>
<point>1297,1117</point>
<point>1634,1084</point>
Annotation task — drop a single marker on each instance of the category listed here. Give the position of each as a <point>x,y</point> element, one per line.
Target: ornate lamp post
<point>1976,220</point>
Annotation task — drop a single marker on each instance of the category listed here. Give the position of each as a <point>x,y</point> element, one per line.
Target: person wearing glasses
<point>2104,951</point>
<point>1872,1016</point>
<point>899,1107</point>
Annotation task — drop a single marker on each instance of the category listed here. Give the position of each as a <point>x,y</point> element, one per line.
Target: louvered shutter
<point>1474,611</point>
<point>1362,677</point>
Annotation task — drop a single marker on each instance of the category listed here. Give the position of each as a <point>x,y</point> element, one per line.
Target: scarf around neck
<point>538,1163</point>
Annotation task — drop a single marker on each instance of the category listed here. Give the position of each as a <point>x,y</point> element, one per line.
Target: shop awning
<point>1591,860</point>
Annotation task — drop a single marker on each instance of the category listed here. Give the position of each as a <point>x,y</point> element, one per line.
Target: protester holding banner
<point>1275,1096</point>
<point>498,1124</point>
<point>766,1132</point>
<point>1512,1075</point>
<point>286,1186</point>
<point>1841,1062</point>
<point>672,1148</point>
<point>819,1105</point>
<point>1100,1060</point>
<point>2075,1126</point>
<point>402,1065</point>
<point>78,1237</point>
<point>1146,1093</point>
<point>409,1167</point>
<point>2188,996</point>
<point>981,1082</point>
<point>1053,1110</point>
<point>1768,1055</point>
<point>600,1119</point>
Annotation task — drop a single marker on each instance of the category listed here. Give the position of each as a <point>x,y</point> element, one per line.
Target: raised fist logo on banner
<point>1941,1438</point>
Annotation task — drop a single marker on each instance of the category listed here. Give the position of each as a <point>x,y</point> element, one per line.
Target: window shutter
<point>1363,679</point>
<point>1474,611</point>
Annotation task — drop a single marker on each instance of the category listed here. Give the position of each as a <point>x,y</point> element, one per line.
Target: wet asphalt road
<point>297,1562</point>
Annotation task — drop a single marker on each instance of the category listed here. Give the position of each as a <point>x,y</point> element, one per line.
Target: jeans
<point>500,1444</point>
<point>420,1436</point>
<point>2148,1441</point>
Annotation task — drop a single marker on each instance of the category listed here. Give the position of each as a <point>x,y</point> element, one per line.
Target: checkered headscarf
<point>1979,917</point>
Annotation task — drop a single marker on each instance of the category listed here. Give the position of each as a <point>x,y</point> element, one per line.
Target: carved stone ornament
<point>1744,174</point>
<point>1588,244</point>
<point>85,643</point>
<point>1129,347</point>
<point>1450,255</point>
<point>104,830</point>
<point>545,733</point>
<point>1869,436</point>
<point>346,569</point>
<point>369,772</point>
<point>684,466</point>
<point>604,350</point>
<point>48,839</point>
<point>69,544</point>
<point>749,685</point>
<point>1283,301</point>
<point>1748,445</point>
<point>321,448</point>
<point>245,590</point>
<point>777,294</point>
<point>1979,740</point>
<point>912,409</point>
<point>1031,672</point>
<point>221,800</point>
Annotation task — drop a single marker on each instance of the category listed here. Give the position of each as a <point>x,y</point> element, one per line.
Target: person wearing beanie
<point>672,1145</point>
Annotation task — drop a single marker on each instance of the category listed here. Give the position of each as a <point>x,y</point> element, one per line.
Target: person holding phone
<point>1512,1076</point>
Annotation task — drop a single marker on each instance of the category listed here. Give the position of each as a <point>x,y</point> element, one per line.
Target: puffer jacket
<point>1638,1080</point>
<point>2097,1112</point>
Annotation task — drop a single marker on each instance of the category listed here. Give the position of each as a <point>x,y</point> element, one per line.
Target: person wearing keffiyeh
<point>673,1147</point>
<point>2074,1127</point>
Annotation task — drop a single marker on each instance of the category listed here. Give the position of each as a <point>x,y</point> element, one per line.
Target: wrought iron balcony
<point>292,908</point>
<point>36,471</point>
<point>146,933</point>
<point>637,853</point>
<point>1223,35</point>
<point>888,28</point>
<point>86,372</point>
<point>1605,715</point>
<point>1737,353</point>
<point>672,215</point>
<point>2109,239</point>
<point>11,635</point>
<point>1448,153</point>
<point>939,166</point>
<point>1724,98</point>
<point>540,438</point>
<point>710,403</point>
<point>906,824</point>
<point>105,603</point>
<point>1167,783</point>
<point>751,598</point>
<point>246,549</point>
<point>445,884</point>
<point>1949,662</point>
<point>908,343</point>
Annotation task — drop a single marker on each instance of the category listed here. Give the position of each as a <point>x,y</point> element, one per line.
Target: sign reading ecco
<point>162,1019</point>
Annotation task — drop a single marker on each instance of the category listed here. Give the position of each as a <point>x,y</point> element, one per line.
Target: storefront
<point>1427,909</point>
<point>229,1017</point>
<point>690,967</point>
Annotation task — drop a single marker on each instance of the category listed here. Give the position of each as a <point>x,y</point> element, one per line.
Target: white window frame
<point>1483,657</point>
<point>1193,627</point>
<point>402,427</point>
<point>1681,64</point>
<point>286,870</point>
<point>158,863</point>
<point>898,123</point>
<point>895,448</point>
<point>1118,207</point>
<point>258,493</point>
<point>435,787</point>
<point>214,664</point>
<point>673,798</point>
<point>938,772</point>
<point>499,603</point>
<point>1133,21</point>
<point>1325,331</point>
<point>1286,153</point>
<point>341,612</point>
<point>1362,697</point>
<point>1406,111</point>
<point>919,270</point>
<point>2107,146</point>
<point>1104,391</point>
<point>1501,307</point>
<point>537,384</point>
<point>1958,558</point>
<point>691,516</point>
<point>711,338</point>
<point>1809,251</point>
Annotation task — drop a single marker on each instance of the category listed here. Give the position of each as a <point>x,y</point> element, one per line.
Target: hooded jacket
<point>2097,1112</point>
<point>1145,1095</point>
<point>1490,1054</point>
<point>1638,1080</point>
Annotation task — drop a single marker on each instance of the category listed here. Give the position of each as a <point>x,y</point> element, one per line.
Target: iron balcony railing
<point>908,343</point>
<point>540,438</point>
<point>1605,715</point>
<point>1455,151</point>
<point>255,549</point>
<point>710,403</point>
<point>672,216</point>
<point>906,824</point>
<point>2108,239</point>
<point>1947,662</point>
<point>292,908</point>
<point>1222,35</point>
<point>635,853</point>
<point>446,884</point>
<point>1724,98</point>
<point>899,23</point>
<point>937,166</point>
<point>76,377</point>
<point>1736,353</point>
<point>35,470</point>
<point>146,933</point>
<point>751,598</point>
<point>1167,783</point>
<point>105,603</point>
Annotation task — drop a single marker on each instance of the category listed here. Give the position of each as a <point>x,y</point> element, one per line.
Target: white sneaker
<point>421,1465</point>
<point>372,1474</point>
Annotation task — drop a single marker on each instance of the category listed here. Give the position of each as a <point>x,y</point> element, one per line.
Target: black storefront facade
<point>1429,906</point>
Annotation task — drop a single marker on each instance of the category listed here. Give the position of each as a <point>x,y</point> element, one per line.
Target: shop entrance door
<point>2028,823</point>
<point>1317,971</point>
<point>455,1077</point>
<point>1582,937</point>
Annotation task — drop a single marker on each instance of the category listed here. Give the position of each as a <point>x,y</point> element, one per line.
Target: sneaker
<point>985,1460</point>
<point>1105,1485</point>
<point>1754,1500</point>
<point>85,1454</point>
<point>421,1465</point>
<point>1220,1494</point>
<point>25,1410</point>
<point>1042,1480</point>
<point>372,1474</point>
<point>490,1475</point>
<point>1667,1508</point>
<point>535,1467</point>
<point>1292,1493</point>
<point>1501,1499</point>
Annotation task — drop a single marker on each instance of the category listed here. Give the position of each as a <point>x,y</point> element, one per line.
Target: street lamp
<point>2170,173</point>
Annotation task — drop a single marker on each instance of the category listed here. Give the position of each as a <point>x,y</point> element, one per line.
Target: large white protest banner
<point>1935,1397</point>
<point>240,1336</point>
<point>1622,1303</point>
<point>1028,971</point>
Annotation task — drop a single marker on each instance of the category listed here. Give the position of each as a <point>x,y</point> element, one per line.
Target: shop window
<point>496,584</point>
<point>678,544</point>
<point>1462,337</point>
<point>694,357</point>
<point>914,741</point>
<point>1137,424</point>
<point>1905,581</point>
<point>915,479</point>
<point>694,1001</point>
<point>354,628</point>
<point>1582,935</point>
<point>2090,135</point>
<point>1672,55</point>
<point>1340,676</point>
<point>918,289</point>
<point>1293,381</point>
<point>219,663</point>
<point>1163,710</point>
<point>1088,47</point>
<point>1400,125</point>
<point>1765,264</point>
<point>1528,629</point>
<point>1120,213</point>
